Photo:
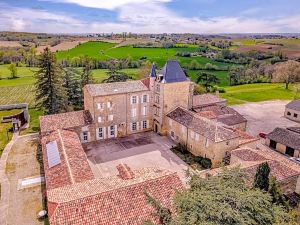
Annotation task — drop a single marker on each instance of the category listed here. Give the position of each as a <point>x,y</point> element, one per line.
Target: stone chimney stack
<point>125,172</point>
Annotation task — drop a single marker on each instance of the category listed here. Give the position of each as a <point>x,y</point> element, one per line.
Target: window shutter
<point>116,130</point>
<point>104,132</point>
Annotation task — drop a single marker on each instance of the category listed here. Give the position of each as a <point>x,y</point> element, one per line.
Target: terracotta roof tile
<point>73,167</point>
<point>116,88</point>
<point>207,128</point>
<point>124,203</point>
<point>67,120</point>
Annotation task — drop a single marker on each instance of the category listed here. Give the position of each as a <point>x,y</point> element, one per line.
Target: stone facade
<point>292,114</point>
<point>198,144</point>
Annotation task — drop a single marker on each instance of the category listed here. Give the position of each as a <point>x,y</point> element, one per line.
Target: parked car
<point>262,135</point>
<point>295,159</point>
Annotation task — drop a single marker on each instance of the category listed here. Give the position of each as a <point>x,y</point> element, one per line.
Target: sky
<point>151,16</point>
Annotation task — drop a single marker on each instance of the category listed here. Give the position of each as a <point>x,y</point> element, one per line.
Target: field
<point>257,92</point>
<point>289,47</point>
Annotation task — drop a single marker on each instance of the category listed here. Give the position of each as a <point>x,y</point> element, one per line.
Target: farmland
<point>257,92</point>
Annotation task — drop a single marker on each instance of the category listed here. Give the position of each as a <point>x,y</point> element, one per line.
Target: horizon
<point>207,17</point>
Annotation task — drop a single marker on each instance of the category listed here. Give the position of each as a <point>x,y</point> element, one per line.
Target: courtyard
<point>137,151</point>
<point>264,116</point>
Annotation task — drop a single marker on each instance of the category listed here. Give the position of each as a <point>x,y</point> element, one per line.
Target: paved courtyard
<point>264,116</point>
<point>137,151</point>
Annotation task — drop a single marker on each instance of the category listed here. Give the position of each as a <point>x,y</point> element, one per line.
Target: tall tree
<point>50,94</point>
<point>115,75</point>
<point>207,79</point>
<point>13,70</point>
<point>87,74</point>
<point>287,72</point>
<point>276,193</point>
<point>261,180</point>
<point>72,85</point>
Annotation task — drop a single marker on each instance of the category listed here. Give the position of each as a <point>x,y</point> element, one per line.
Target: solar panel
<point>52,154</point>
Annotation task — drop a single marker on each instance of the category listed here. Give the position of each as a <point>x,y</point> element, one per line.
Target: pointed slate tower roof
<point>153,70</point>
<point>172,72</point>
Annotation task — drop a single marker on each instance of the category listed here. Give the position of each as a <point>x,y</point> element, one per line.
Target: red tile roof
<point>113,200</point>
<point>73,167</point>
<point>67,120</point>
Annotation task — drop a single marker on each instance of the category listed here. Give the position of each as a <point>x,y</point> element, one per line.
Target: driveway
<point>137,151</point>
<point>264,116</point>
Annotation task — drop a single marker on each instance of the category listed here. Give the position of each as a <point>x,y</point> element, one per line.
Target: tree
<point>72,85</point>
<point>287,72</point>
<point>115,75</point>
<point>194,65</point>
<point>164,214</point>
<point>225,199</point>
<point>13,70</point>
<point>87,74</point>
<point>145,69</point>
<point>50,94</point>
<point>207,80</point>
<point>276,193</point>
<point>261,180</point>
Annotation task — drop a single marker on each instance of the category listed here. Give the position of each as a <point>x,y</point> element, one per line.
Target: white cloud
<point>106,4</point>
<point>149,17</point>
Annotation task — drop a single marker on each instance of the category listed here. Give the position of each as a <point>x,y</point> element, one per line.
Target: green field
<point>257,92</point>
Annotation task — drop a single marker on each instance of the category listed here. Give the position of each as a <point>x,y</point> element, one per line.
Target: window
<point>144,110</point>
<point>133,112</point>
<point>157,88</point>
<point>100,132</point>
<point>133,99</point>
<point>157,111</point>
<point>85,136</point>
<point>295,115</point>
<point>110,117</point>
<point>288,113</point>
<point>100,105</point>
<point>134,126</point>
<point>109,105</point>
<point>112,131</point>
<point>145,124</point>
<point>172,134</point>
<point>100,119</point>
<point>157,99</point>
<point>145,98</point>
<point>206,143</point>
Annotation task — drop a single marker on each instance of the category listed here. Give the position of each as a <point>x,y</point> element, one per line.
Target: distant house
<point>292,110</point>
<point>286,141</point>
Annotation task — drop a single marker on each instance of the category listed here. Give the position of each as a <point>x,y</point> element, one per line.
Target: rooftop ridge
<point>66,156</point>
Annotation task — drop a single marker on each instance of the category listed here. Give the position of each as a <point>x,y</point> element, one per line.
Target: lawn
<point>257,92</point>
<point>5,129</point>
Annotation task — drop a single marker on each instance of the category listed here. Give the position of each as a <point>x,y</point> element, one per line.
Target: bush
<point>204,162</point>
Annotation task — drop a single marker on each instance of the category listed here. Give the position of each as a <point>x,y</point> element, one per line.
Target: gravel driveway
<point>264,116</point>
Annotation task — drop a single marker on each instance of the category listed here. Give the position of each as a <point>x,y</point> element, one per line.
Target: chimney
<point>125,172</point>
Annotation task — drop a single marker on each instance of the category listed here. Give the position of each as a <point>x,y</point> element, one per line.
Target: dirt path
<point>22,163</point>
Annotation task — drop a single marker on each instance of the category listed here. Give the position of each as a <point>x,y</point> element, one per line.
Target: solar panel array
<point>52,154</point>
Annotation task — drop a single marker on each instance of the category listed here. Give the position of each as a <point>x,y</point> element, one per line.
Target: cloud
<point>149,17</point>
<point>106,4</point>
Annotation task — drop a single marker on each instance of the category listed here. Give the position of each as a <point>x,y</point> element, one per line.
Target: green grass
<point>257,92</point>
<point>222,75</point>
<point>5,129</point>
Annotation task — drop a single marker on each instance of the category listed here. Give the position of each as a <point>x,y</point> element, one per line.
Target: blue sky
<point>151,16</point>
